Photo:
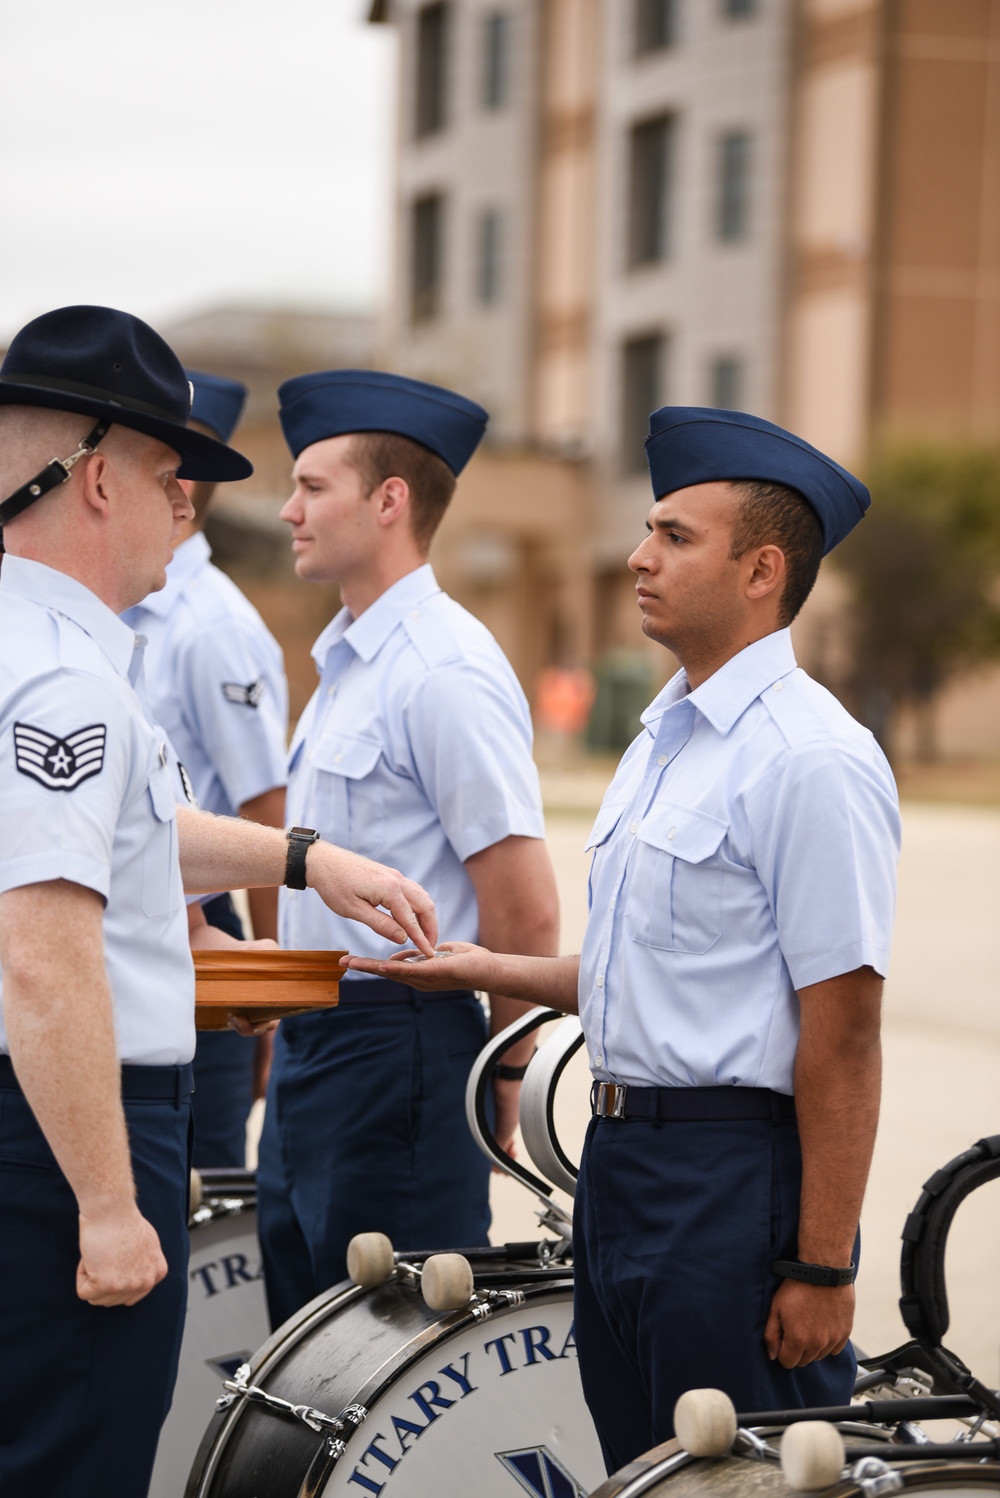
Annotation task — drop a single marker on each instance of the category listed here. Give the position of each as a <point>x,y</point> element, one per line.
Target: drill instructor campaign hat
<point>702,445</point>
<point>112,366</point>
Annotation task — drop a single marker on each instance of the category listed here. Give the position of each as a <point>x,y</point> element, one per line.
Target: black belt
<point>386,991</point>
<point>689,1104</point>
<point>171,1083</point>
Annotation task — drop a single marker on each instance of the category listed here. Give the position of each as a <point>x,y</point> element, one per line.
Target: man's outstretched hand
<point>379,897</point>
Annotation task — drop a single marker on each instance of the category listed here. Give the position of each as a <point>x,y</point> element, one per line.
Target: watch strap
<point>814,1274</point>
<point>300,840</point>
<point>510,1073</point>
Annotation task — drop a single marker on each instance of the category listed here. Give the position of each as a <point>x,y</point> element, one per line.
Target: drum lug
<point>749,1443</point>
<point>875,1479</point>
<point>351,1417</point>
<point>485,1304</point>
<point>235,1386</point>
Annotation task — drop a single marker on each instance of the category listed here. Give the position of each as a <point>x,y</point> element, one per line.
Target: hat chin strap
<point>58,471</point>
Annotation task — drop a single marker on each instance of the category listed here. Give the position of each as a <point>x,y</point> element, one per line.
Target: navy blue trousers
<point>365,1131</point>
<point>84,1389</point>
<point>675,1226</point>
<point>223,1075</point>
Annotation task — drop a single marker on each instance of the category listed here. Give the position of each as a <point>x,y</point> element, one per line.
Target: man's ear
<point>96,483</point>
<point>767,572</point>
<point>393,500</point>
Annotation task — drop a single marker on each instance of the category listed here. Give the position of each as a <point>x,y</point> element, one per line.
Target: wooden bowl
<point>262,986</point>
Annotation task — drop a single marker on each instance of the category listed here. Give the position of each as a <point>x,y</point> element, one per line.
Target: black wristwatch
<point>300,840</point>
<point>507,1073</point>
<point>814,1274</point>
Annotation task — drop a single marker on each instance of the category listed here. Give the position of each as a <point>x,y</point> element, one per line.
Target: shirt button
<point>634,828</point>
<point>329,691</point>
<point>662,759</point>
<point>614,902</point>
<point>598,1060</point>
<point>671,834</point>
<point>415,614</point>
<point>778,686</point>
<point>337,758</point>
<point>599,981</point>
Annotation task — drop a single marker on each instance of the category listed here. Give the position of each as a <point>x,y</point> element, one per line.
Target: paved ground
<point>942,1059</point>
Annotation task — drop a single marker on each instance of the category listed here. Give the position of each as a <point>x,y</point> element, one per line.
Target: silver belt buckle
<point>608,1100</point>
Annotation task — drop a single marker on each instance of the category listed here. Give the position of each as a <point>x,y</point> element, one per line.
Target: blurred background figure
<point>216,683</point>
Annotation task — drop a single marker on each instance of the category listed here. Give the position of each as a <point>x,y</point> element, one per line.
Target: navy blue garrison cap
<point>218,402</point>
<point>111,365</point>
<point>335,401</point>
<point>701,445</point>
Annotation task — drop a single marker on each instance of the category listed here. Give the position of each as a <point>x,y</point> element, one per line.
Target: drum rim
<point>914,1475</point>
<point>449,1324</point>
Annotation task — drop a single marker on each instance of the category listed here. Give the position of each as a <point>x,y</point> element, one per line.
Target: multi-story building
<point>788,206</point>
<point>591,200</point>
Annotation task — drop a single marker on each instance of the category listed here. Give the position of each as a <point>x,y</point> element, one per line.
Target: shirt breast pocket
<point>675,893</point>
<point>350,806</point>
<point>162,890</point>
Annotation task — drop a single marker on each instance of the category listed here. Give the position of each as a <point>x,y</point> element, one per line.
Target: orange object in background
<point>564,696</point>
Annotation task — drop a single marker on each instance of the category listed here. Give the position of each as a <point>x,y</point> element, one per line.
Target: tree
<point>924,567</point>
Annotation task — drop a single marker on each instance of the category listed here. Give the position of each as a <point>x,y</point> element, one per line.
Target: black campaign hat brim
<point>203,458</point>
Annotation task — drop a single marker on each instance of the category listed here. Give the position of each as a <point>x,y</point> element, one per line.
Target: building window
<point>489,252</point>
<point>733,207</point>
<point>726,383</point>
<point>643,362</point>
<point>427,257</point>
<point>496,60</point>
<point>655,25</point>
<point>650,174</point>
<point>432,69</point>
<point>738,10</point>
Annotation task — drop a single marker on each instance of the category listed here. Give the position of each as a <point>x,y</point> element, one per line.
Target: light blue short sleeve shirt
<point>415,750</point>
<point>745,849</point>
<point>87,794</point>
<point>215,680</point>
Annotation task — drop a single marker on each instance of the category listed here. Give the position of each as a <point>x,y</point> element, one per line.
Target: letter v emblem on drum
<point>540,1473</point>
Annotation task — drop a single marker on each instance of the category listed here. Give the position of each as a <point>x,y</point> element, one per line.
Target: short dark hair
<point>378,456</point>
<point>775,515</point>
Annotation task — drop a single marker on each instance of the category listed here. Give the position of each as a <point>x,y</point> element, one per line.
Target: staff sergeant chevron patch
<point>245,696</point>
<point>60,764</point>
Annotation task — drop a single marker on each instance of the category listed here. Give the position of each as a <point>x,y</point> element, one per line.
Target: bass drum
<point>226,1317</point>
<point>669,1472</point>
<point>483,1402</point>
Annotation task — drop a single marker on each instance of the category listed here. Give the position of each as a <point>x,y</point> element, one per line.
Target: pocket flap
<point>684,833</point>
<point>161,793</point>
<point>346,754</point>
<point>607,820</point>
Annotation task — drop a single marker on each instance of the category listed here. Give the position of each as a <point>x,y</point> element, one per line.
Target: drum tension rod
<point>875,1478</point>
<point>239,1387</point>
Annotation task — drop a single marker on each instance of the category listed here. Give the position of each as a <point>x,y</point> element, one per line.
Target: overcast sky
<point>167,155</point>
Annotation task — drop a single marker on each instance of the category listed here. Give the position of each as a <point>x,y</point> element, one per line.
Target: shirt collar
<point>367,634</point>
<point>61,594</point>
<point>726,695</point>
<point>189,558</point>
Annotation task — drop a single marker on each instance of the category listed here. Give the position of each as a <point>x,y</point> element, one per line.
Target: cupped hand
<point>457,964</point>
<point>120,1257</point>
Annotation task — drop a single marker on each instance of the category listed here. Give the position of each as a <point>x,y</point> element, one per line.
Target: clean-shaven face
<point>155,507</point>
<point>688,586</point>
<point>331,516</point>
